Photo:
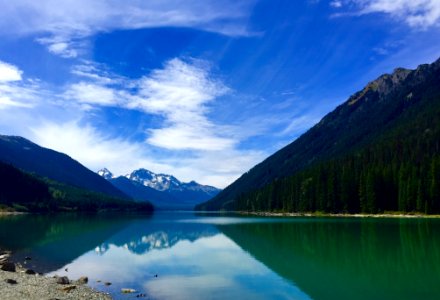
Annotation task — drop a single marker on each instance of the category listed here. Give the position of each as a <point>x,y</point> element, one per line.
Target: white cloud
<point>179,93</point>
<point>184,141</point>
<point>63,26</point>
<point>14,92</point>
<point>91,93</point>
<point>9,72</point>
<point>96,150</point>
<point>91,147</point>
<point>416,13</point>
<point>96,73</point>
<point>182,136</point>
<point>336,4</point>
<point>62,49</point>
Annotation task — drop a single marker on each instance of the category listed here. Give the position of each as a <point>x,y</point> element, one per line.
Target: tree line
<point>399,174</point>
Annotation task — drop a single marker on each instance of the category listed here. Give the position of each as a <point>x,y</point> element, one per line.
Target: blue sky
<point>202,90</point>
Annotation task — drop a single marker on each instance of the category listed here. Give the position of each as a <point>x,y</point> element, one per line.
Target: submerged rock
<point>8,266</point>
<point>83,280</point>
<point>30,272</point>
<point>63,280</point>
<point>141,295</point>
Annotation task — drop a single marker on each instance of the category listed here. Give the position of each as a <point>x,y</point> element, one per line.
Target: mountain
<point>170,184</point>
<point>20,187</point>
<point>105,173</point>
<point>378,151</point>
<point>140,192</point>
<point>164,191</point>
<point>57,166</point>
<point>21,191</point>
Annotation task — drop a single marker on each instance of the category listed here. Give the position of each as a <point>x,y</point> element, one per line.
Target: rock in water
<point>8,266</point>
<point>83,280</point>
<point>141,295</point>
<point>63,280</point>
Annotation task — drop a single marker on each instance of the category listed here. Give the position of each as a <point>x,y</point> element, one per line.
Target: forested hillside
<point>379,151</point>
<point>20,191</point>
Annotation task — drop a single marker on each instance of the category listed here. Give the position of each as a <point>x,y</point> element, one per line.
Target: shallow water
<point>234,257</point>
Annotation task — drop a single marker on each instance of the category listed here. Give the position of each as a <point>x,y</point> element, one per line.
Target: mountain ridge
<point>30,157</point>
<point>364,119</point>
<point>163,190</point>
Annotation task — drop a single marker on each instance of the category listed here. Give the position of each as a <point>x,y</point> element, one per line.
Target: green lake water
<point>233,257</point>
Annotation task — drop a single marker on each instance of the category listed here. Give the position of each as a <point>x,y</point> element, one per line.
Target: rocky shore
<point>17,282</point>
<point>341,215</point>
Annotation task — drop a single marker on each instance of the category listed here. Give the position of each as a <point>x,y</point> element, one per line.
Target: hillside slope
<point>377,151</point>
<point>20,191</point>
<point>30,157</point>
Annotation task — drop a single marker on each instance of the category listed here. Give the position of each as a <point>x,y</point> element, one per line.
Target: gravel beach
<point>19,284</point>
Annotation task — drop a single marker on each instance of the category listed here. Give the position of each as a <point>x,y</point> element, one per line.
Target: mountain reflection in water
<point>187,256</point>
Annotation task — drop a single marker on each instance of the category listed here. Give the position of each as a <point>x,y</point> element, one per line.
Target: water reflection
<point>349,258</point>
<point>183,256</point>
<point>192,260</point>
<point>56,240</point>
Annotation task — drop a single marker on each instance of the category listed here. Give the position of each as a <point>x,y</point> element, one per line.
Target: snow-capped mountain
<point>163,190</point>
<point>165,182</point>
<point>105,173</point>
<point>160,182</point>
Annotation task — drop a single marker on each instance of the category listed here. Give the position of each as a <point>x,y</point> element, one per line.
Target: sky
<point>202,90</point>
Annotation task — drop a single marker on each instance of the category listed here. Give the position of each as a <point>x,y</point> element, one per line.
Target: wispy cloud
<point>185,141</point>
<point>63,26</point>
<point>179,93</point>
<point>92,147</point>
<point>336,3</point>
<point>419,14</point>
<point>299,124</point>
<point>14,92</point>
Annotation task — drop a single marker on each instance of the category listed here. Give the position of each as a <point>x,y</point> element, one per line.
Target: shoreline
<point>343,215</point>
<point>11,213</point>
<point>17,282</point>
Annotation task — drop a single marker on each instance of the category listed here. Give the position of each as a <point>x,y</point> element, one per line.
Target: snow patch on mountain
<point>165,182</point>
<point>161,182</point>
<point>105,173</point>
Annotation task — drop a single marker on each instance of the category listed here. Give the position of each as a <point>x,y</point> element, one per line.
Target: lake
<point>208,256</point>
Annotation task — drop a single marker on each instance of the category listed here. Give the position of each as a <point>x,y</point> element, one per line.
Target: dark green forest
<point>21,191</point>
<point>378,152</point>
<point>374,181</point>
